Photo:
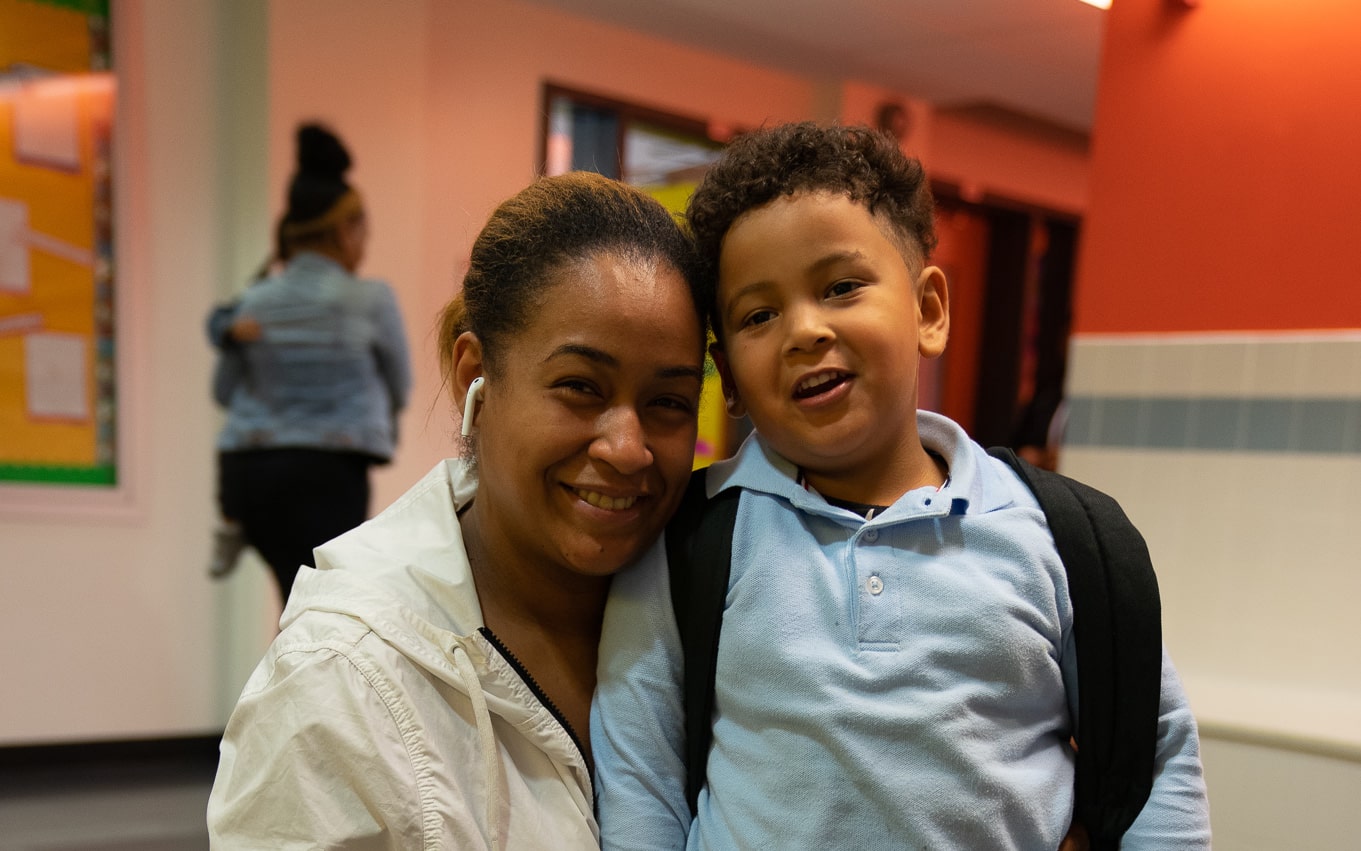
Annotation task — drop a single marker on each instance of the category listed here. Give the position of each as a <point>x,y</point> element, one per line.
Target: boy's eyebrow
<point>835,257</point>
<point>591,353</point>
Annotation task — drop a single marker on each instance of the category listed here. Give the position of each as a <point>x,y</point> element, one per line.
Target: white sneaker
<point>228,543</point>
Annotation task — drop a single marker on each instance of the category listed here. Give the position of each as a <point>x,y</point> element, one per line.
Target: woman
<point>316,375</point>
<point>432,682</point>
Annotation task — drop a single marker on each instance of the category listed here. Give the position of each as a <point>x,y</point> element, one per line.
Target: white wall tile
<point>1274,367</point>
<point>1330,368</point>
<point>1257,559</point>
<point>1268,799</point>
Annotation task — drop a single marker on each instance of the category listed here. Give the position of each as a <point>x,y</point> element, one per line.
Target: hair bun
<point>321,153</point>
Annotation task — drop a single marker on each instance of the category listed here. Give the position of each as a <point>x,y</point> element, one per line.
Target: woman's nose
<point>622,442</point>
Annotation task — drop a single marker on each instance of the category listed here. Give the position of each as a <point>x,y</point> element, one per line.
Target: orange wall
<point>1225,176</point>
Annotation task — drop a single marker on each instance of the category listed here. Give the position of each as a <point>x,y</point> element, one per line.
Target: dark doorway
<point>1011,277</point>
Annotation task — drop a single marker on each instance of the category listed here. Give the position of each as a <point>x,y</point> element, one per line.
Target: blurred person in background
<point>314,375</point>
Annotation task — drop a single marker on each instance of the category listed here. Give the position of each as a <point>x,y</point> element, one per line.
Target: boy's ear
<point>933,312</point>
<point>731,400</point>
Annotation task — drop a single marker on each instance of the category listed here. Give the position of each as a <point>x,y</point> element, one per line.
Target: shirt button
<point>872,535</point>
<point>875,585</point>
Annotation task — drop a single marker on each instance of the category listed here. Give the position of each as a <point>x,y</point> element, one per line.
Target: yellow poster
<point>57,412</point>
<point>711,444</point>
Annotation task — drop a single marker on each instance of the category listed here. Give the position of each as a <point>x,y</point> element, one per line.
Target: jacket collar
<point>408,561</point>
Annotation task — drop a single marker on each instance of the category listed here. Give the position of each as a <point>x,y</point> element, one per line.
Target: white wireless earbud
<point>470,404</point>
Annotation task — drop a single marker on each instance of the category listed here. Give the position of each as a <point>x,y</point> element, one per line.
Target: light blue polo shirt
<point>906,681</point>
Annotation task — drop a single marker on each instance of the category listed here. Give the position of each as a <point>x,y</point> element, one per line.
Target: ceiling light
<point>1100,4</point>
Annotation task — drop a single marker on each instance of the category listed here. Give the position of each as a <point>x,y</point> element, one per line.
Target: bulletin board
<point>58,409</point>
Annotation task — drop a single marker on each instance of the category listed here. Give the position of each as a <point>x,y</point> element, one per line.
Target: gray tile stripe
<point>1242,425</point>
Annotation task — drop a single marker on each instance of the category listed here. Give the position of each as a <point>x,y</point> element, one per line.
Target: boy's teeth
<point>609,503</point>
<point>814,381</point>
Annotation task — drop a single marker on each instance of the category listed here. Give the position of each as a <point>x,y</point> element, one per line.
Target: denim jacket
<point>330,370</point>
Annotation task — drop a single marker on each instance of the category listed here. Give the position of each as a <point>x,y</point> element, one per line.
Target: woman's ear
<point>933,312</point>
<point>732,400</point>
<point>467,366</point>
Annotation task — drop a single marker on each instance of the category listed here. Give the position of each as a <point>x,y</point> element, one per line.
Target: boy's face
<point>822,325</point>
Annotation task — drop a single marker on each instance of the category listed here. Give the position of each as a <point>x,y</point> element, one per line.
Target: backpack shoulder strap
<point>1117,625</point>
<point>699,558</point>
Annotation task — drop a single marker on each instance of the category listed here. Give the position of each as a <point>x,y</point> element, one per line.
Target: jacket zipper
<point>538,692</point>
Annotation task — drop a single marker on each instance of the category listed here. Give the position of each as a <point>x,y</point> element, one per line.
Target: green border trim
<point>44,474</point>
<point>88,7</point>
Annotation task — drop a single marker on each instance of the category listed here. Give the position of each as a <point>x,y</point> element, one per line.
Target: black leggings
<point>291,500</point>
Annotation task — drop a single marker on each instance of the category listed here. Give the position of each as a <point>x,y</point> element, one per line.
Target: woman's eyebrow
<point>581,350</point>
<point>604,358</point>
<point>694,372</point>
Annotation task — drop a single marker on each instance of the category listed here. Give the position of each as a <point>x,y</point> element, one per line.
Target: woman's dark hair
<point>319,199</point>
<point>861,163</point>
<point>552,223</point>
<point>319,180</point>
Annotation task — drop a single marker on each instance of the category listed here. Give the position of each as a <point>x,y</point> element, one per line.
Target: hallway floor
<point>52,800</point>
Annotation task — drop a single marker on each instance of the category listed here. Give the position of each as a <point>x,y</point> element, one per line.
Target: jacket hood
<point>403,573</point>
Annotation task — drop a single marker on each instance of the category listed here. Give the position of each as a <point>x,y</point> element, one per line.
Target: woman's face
<point>587,430</point>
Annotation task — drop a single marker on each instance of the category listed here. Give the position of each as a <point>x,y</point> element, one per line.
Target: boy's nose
<point>808,331</point>
<point>622,442</point>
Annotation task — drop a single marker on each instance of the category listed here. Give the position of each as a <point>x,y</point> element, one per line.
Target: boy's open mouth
<point>818,383</point>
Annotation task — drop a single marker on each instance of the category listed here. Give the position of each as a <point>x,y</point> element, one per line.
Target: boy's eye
<point>757,317</point>
<point>841,288</point>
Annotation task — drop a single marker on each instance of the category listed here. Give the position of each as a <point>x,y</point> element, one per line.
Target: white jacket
<point>381,717</point>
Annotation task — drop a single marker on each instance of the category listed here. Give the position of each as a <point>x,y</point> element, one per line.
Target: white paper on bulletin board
<point>14,271</point>
<point>55,377</point>
<point>47,125</point>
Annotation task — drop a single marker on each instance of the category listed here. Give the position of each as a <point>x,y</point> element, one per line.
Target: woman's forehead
<point>609,299</point>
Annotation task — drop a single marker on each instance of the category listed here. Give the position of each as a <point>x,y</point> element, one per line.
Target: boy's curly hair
<point>861,163</point>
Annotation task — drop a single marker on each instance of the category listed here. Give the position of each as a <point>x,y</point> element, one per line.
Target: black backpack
<point>1117,624</point>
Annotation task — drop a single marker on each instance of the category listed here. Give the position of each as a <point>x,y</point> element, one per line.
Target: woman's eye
<point>678,403</point>
<point>576,385</point>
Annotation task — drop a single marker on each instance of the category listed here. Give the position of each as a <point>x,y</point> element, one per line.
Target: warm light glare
<point>1100,4</point>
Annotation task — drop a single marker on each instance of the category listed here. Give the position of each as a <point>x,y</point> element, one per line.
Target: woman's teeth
<point>609,503</point>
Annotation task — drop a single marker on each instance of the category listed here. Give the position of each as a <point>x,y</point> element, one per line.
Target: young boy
<point>896,667</point>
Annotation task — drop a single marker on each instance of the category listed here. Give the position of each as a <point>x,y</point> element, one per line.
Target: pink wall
<point>487,64</point>
<point>439,101</point>
<point>1226,189</point>
<point>441,105</point>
